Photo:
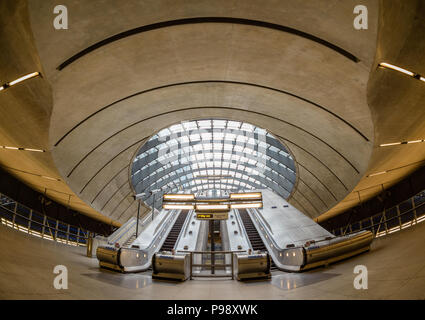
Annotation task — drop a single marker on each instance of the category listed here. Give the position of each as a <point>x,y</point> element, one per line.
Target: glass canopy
<point>212,154</point>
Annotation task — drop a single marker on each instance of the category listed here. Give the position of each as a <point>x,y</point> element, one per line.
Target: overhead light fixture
<point>50,178</point>
<point>377,173</point>
<point>393,67</point>
<point>246,205</point>
<point>407,72</point>
<point>23,78</point>
<point>34,150</point>
<point>399,143</point>
<point>246,196</point>
<point>212,207</point>
<point>389,144</point>
<point>178,206</point>
<point>179,197</point>
<point>22,149</point>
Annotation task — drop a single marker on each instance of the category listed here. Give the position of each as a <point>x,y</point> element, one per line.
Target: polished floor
<point>396,270</point>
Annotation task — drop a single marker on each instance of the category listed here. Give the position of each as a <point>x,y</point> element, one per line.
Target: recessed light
<point>377,173</point>
<point>393,67</point>
<point>389,144</point>
<point>403,142</point>
<point>50,178</point>
<point>22,149</point>
<point>23,78</point>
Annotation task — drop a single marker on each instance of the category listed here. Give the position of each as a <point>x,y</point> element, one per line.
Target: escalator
<point>131,254</point>
<point>253,235</point>
<point>130,240</point>
<point>174,233</point>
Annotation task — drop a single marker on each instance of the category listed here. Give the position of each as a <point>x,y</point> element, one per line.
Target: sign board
<point>212,216</point>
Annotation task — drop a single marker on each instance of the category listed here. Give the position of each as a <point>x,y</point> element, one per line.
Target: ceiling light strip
<point>377,173</point>
<point>22,149</point>
<point>178,206</point>
<point>178,197</point>
<point>399,143</point>
<point>19,80</point>
<point>399,69</point>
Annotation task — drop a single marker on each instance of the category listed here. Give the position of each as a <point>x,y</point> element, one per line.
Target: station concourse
<point>212,150</point>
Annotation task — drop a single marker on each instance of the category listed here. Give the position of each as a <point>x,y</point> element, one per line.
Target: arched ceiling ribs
<point>330,192</point>
<point>169,168</point>
<point>239,109</point>
<point>200,82</point>
<point>107,183</point>
<point>119,203</point>
<point>275,162</point>
<point>126,209</point>
<point>109,161</point>
<point>177,22</point>
<point>321,162</point>
<point>113,194</point>
<point>155,141</point>
<point>154,181</point>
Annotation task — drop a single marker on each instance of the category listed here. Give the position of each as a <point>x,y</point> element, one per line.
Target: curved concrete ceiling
<point>111,99</point>
<point>297,68</point>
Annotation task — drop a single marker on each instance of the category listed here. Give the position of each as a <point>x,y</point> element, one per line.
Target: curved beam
<point>178,22</point>
<point>306,151</point>
<point>272,141</point>
<point>239,109</point>
<point>199,82</point>
<point>186,173</point>
<point>103,188</point>
<point>287,163</point>
<point>288,176</point>
<point>109,161</point>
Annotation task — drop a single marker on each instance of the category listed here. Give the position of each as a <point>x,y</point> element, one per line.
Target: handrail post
<point>137,221</point>
<point>43,230</point>
<point>233,271</point>
<point>67,234</point>
<point>14,213</point>
<point>414,209</point>
<point>191,263</point>
<point>29,221</point>
<point>89,244</point>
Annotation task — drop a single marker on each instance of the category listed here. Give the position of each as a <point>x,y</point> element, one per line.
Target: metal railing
<point>15,215</point>
<point>402,216</point>
<point>213,266</point>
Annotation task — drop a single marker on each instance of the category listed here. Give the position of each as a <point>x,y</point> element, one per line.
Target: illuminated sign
<point>212,216</point>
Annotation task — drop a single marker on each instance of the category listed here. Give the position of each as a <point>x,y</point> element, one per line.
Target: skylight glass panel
<point>189,125</point>
<point>204,124</point>
<point>218,147</point>
<point>247,127</point>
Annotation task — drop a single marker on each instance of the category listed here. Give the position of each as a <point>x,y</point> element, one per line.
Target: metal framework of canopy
<point>211,154</point>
